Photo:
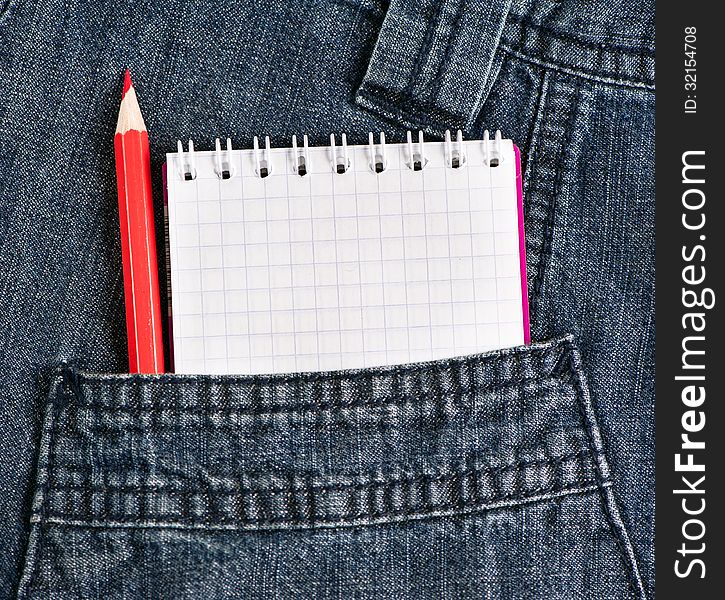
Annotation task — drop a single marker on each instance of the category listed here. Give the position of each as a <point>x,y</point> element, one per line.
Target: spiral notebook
<point>342,257</point>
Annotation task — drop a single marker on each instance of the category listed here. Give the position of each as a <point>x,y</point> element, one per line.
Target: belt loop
<point>432,62</point>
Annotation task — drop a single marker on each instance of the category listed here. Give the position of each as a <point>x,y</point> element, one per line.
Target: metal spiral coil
<point>455,155</point>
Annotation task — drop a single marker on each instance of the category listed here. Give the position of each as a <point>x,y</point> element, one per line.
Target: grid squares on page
<point>331,271</point>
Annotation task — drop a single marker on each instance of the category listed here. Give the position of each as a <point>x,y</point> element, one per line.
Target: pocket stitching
<point>463,494</point>
<point>603,476</point>
<point>321,406</point>
<point>45,470</point>
<point>319,522</point>
<point>545,250</point>
<point>325,488</point>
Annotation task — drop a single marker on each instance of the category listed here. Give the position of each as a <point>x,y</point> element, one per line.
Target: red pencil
<point>138,241</point>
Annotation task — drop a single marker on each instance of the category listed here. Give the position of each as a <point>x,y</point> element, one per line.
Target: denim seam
<point>541,494</point>
<point>564,36</point>
<point>610,79</point>
<point>211,427</point>
<point>433,23</point>
<point>403,110</point>
<point>614,519</point>
<point>547,239</point>
<point>531,355</point>
<point>59,521</point>
<point>532,158</point>
<point>406,111</point>
<point>519,36</point>
<point>46,487</point>
<point>537,254</point>
<point>602,472</point>
<point>554,461</point>
<point>356,494</point>
<point>313,509</point>
<point>445,61</point>
<point>71,468</point>
<point>497,60</point>
<point>318,407</point>
<point>399,105</point>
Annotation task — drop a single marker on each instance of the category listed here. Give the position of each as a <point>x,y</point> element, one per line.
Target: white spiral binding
<point>340,162</point>
<point>378,160</point>
<point>187,163</point>
<point>455,155</point>
<point>224,166</point>
<point>416,160</point>
<point>492,159</point>
<point>300,161</point>
<point>263,159</point>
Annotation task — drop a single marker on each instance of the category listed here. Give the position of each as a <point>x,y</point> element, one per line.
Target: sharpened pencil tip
<point>127,83</point>
<point>129,113</point>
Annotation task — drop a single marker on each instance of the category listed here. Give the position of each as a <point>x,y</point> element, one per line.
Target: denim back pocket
<point>481,476</point>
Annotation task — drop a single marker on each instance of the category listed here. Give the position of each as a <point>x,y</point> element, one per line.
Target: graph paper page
<point>340,271</point>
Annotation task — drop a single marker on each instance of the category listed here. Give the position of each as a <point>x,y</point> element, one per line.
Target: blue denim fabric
<point>479,477</point>
<point>487,471</point>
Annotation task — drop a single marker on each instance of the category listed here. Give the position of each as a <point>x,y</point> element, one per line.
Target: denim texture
<point>431,466</point>
<point>477,477</point>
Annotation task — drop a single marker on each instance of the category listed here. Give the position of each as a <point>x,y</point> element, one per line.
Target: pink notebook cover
<point>522,248</point>
<point>169,312</point>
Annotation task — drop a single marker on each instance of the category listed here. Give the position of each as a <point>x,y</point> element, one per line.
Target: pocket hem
<point>68,497</point>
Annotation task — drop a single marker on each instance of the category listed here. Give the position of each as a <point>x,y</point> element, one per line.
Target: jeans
<point>523,473</point>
